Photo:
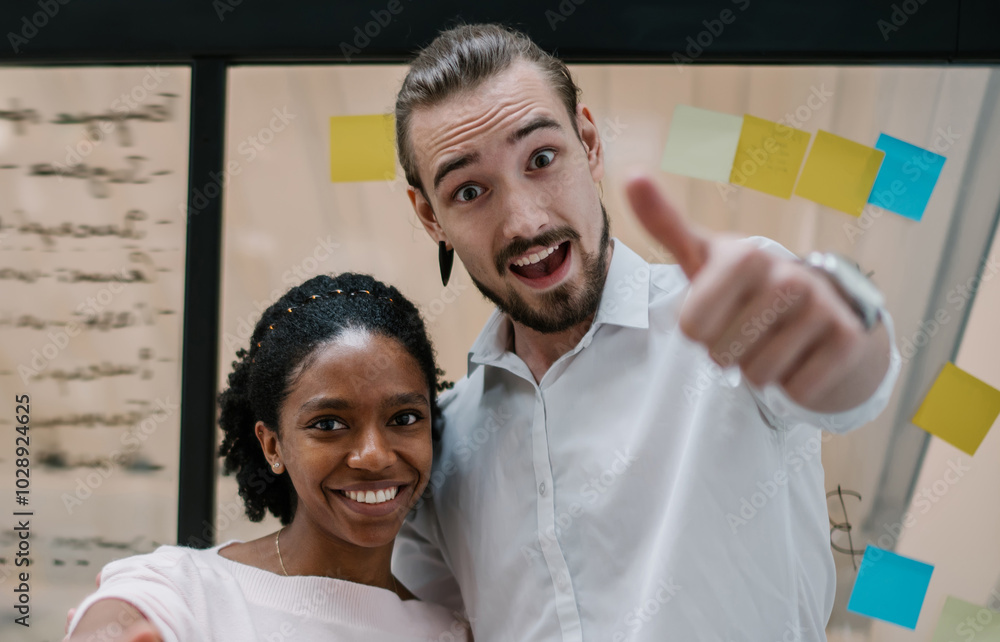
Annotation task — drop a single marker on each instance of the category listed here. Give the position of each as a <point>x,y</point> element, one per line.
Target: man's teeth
<point>371,497</point>
<point>535,258</point>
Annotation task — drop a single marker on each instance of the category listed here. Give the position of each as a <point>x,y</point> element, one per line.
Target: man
<point>599,476</point>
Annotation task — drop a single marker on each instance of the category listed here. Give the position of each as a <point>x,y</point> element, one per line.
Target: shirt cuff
<point>779,410</point>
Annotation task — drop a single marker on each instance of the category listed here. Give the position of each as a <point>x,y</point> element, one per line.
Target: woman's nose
<point>372,451</point>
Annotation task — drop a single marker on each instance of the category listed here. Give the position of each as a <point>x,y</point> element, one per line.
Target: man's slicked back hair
<point>459,60</point>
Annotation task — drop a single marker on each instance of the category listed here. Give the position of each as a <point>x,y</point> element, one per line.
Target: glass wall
<point>286,220</point>
<point>93,180</point>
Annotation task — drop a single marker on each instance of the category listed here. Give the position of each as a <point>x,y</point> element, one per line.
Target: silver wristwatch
<point>854,286</point>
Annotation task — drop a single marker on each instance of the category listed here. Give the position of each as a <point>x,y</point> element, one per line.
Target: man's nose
<point>525,213</point>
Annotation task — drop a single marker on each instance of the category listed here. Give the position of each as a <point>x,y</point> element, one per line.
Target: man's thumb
<point>665,223</point>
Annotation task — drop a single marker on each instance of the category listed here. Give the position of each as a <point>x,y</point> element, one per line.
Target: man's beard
<point>565,306</point>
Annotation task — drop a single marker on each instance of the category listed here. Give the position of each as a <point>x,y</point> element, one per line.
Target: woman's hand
<point>142,632</point>
<point>113,620</point>
<point>70,613</point>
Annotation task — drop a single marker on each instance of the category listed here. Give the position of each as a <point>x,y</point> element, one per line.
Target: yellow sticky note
<point>768,156</point>
<point>362,148</point>
<point>959,409</point>
<point>839,173</point>
<point>702,143</point>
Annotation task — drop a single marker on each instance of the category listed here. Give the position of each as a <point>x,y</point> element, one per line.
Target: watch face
<point>862,288</point>
<point>846,260</point>
<point>862,294</point>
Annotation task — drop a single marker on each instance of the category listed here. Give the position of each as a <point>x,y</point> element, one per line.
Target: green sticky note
<point>839,173</point>
<point>959,409</point>
<point>768,156</point>
<point>362,148</point>
<point>702,143</point>
<point>961,621</point>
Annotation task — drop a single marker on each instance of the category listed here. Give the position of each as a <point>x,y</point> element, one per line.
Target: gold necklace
<point>277,547</point>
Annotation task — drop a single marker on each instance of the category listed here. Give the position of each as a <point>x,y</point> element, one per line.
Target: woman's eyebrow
<point>324,403</point>
<point>405,399</point>
<point>337,403</point>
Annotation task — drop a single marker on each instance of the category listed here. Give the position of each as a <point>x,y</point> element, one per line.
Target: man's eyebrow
<point>452,165</point>
<point>542,122</point>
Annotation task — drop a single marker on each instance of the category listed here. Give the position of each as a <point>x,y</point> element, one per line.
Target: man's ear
<point>426,214</point>
<point>592,143</point>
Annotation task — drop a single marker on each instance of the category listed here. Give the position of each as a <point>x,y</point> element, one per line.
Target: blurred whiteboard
<point>93,178</point>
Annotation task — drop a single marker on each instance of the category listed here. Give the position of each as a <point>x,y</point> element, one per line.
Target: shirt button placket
<point>566,606</point>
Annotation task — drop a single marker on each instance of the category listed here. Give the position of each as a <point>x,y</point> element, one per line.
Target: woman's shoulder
<point>167,560</point>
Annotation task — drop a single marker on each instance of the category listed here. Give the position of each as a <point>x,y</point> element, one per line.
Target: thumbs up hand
<point>778,319</point>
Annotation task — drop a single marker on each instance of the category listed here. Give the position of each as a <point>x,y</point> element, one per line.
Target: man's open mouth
<point>540,263</point>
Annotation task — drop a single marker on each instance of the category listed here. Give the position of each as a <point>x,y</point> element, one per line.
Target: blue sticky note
<point>890,587</point>
<point>907,177</point>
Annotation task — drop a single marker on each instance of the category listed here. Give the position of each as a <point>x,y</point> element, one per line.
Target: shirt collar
<point>624,302</point>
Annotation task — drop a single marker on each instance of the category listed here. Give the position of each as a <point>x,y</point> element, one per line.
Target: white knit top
<point>198,595</point>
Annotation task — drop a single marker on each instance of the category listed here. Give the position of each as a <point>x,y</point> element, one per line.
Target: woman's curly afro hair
<point>281,341</point>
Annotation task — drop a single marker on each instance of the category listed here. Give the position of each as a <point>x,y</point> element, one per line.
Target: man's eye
<point>467,193</point>
<point>329,425</point>
<point>542,158</point>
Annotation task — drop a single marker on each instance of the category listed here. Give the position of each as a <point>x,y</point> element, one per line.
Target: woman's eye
<point>542,158</point>
<point>329,425</point>
<point>406,419</point>
<point>467,193</point>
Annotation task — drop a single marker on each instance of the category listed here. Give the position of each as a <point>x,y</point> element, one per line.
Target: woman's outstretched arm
<point>116,620</point>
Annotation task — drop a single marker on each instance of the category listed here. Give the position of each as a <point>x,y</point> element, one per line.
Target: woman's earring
<point>446,258</point>
<point>276,465</point>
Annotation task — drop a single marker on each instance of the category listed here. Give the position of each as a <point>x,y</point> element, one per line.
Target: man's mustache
<point>520,246</point>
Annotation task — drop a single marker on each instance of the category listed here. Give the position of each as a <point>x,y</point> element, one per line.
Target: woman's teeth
<point>535,258</point>
<point>371,497</point>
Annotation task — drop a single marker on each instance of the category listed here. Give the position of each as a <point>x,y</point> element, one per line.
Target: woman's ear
<point>270,445</point>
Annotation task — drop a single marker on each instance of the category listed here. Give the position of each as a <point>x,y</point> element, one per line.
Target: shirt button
<point>541,489</point>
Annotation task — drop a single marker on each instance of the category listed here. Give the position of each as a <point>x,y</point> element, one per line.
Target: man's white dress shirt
<point>638,492</point>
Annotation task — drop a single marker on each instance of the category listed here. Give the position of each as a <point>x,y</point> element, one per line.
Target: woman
<point>328,422</point>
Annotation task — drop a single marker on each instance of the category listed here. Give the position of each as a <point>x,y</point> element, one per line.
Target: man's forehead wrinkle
<point>448,128</point>
<point>492,118</point>
<point>448,135</point>
<point>461,119</point>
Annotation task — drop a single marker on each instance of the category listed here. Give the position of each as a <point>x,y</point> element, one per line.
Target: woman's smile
<point>376,499</point>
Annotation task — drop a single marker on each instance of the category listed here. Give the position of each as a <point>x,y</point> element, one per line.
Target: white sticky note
<point>702,143</point>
